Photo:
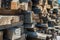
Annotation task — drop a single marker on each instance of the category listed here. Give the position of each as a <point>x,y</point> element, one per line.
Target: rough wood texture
<point>4,20</point>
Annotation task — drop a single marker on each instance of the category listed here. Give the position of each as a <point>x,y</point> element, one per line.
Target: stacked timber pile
<point>43,19</point>
<point>11,27</point>
<point>40,18</point>
<point>6,20</point>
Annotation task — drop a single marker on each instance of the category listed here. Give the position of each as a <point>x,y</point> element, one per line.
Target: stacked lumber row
<point>42,17</point>
<point>16,32</point>
<point>41,13</point>
<point>39,16</point>
<point>6,20</point>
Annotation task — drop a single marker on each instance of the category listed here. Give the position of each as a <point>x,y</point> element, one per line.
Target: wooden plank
<point>3,12</point>
<point>11,25</point>
<point>9,12</point>
<point>5,20</point>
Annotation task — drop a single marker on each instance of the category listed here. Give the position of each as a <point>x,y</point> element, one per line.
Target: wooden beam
<point>9,12</point>
<point>18,24</point>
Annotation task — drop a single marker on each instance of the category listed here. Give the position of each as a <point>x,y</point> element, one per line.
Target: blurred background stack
<point>29,19</point>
